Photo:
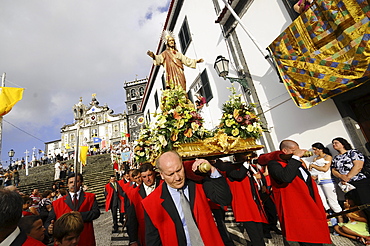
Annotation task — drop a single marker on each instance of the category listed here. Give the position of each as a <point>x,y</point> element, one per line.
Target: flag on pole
<point>9,96</point>
<point>97,140</point>
<point>83,154</point>
<point>126,156</point>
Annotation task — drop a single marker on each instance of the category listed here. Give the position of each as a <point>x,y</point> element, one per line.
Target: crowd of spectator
<point>266,193</point>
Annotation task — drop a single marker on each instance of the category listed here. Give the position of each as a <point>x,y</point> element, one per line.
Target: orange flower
<point>174,136</point>
<point>236,113</point>
<point>188,132</point>
<point>176,115</point>
<point>137,148</point>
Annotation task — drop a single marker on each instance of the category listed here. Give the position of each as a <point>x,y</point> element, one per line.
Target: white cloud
<point>64,49</point>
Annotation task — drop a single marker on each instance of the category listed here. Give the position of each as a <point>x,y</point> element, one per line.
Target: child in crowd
<point>67,229</point>
<point>32,225</point>
<point>356,228</point>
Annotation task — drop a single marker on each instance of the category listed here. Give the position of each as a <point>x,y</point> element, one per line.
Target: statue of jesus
<point>173,62</point>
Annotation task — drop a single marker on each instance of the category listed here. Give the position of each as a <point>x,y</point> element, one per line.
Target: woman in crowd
<point>347,167</point>
<point>45,205</point>
<point>54,186</point>
<point>320,169</point>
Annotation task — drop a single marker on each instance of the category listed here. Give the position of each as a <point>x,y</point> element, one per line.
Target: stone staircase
<point>96,174</point>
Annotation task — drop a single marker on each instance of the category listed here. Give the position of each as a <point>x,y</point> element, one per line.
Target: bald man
<point>177,211</point>
<point>300,210</point>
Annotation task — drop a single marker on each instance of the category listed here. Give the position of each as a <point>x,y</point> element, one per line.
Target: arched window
<point>134,107</point>
<point>133,93</point>
<point>141,91</point>
<point>94,132</point>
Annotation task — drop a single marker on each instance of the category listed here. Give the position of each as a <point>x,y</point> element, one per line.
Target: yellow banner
<point>83,154</point>
<point>9,96</point>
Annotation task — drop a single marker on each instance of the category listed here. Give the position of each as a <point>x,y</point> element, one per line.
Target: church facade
<point>100,128</point>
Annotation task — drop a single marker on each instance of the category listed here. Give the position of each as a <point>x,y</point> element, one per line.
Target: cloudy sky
<point>62,50</point>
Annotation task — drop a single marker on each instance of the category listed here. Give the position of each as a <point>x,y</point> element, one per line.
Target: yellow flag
<point>9,96</point>
<point>67,146</point>
<point>83,154</point>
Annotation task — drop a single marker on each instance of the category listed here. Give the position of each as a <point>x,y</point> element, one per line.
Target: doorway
<point>361,108</point>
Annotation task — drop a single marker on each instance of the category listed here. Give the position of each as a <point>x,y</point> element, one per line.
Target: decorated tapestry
<point>325,51</point>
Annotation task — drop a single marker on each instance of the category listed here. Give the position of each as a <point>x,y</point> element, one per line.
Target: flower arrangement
<point>238,118</point>
<point>177,123</point>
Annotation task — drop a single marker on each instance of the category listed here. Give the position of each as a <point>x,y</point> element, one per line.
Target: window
<point>184,36</point>
<point>148,117</point>
<point>164,81</point>
<point>190,96</point>
<point>289,6</point>
<point>141,91</point>
<point>134,108</point>
<point>115,128</point>
<point>94,132</point>
<point>202,86</point>
<point>133,93</point>
<point>156,99</point>
<point>240,8</point>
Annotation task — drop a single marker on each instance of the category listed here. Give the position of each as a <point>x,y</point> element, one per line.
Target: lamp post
<point>11,155</point>
<point>79,112</point>
<point>222,68</point>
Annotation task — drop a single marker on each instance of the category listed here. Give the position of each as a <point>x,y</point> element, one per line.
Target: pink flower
<point>239,119</point>
<point>193,114</point>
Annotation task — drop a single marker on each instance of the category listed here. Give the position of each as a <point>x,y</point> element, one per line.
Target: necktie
<point>115,186</point>
<point>75,201</point>
<point>194,234</point>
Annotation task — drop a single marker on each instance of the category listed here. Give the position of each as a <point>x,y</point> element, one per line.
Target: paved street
<point>104,236</point>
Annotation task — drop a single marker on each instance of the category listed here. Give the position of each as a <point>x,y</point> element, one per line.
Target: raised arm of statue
<point>151,54</point>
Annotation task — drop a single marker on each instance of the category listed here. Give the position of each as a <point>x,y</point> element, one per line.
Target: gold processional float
<point>180,127</point>
<point>217,146</point>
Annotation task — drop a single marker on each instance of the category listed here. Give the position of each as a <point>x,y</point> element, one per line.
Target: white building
<point>207,29</point>
<point>100,128</point>
<point>53,148</point>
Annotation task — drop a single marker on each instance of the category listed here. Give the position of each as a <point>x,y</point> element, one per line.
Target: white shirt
<point>57,166</point>
<point>175,195</point>
<point>149,189</point>
<point>9,239</point>
<point>78,195</point>
<point>303,172</point>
